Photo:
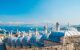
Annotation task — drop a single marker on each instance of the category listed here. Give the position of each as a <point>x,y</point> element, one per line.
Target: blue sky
<point>40,11</point>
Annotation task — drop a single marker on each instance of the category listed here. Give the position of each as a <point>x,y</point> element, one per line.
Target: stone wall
<point>57,47</point>
<point>72,39</point>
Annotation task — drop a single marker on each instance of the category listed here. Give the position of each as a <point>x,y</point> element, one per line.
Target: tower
<point>46,29</point>
<point>36,33</point>
<point>18,33</point>
<point>57,26</point>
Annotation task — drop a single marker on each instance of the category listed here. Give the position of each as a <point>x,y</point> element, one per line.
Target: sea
<point>26,28</point>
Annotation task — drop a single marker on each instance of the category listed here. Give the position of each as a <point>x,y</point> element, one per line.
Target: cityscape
<point>41,37</point>
<point>39,24</point>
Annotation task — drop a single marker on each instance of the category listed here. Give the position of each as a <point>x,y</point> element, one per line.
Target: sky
<point>40,11</point>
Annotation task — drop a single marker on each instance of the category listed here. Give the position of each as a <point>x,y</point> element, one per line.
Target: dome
<point>71,33</point>
<point>14,41</point>
<point>38,37</point>
<point>29,35</point>
<point>24,41</point>
<point>8,41</point>
<point>19,41</point>
<point>33,39</point>
<point>45,36</point>
<point>55,36</point>
<point>28,38</point>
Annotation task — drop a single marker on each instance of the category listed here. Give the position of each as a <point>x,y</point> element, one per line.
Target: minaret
<point>24,33</point>
<point>57,26</point>
<point>68,26</point>
<point>29,34</point>
<point>4,33</point>
<point>18,32</point>
<point>36,33</point>
<point>46,29</point>
<point>11,33</point>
